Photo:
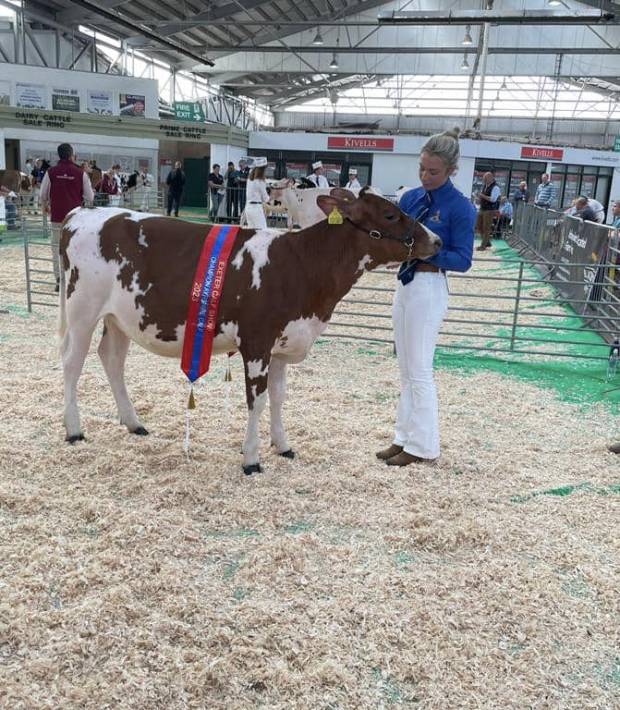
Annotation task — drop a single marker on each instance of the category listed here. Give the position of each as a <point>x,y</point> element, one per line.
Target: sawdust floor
<point>132,577</point>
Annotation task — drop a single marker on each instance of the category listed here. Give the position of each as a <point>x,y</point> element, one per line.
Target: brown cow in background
<point>16,181</point>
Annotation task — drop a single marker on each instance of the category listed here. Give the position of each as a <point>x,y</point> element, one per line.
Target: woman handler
<point>421,298</point>
<point>256,195</point>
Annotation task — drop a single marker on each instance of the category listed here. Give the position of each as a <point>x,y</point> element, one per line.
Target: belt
<point>255,203</point>
<point>428,267</point>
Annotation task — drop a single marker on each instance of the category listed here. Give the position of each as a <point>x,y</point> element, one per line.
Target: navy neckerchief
<point>407,268</point>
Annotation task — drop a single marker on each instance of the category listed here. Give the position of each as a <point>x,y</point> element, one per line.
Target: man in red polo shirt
<point>64,187</point>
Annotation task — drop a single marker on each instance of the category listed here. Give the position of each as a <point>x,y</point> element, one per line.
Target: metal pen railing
<point>527,307</point>
<point>521,328</point>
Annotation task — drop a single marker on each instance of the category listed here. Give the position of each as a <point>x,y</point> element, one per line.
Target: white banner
<point>31,95</point>
<point>100,102</point>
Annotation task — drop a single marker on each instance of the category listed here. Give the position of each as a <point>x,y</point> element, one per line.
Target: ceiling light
<point>554,3</point>
<point>464,63</point>
<point>334,62</point>
<point>318,40</point>
<point>467,40</point>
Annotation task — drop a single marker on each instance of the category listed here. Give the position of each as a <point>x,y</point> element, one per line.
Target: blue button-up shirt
<point>451,217</point>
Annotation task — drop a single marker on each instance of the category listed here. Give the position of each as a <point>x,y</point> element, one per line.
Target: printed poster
<point>583,243</point>
<point>5,93</point>
<point>100,102</point>
<point>30,95</point>
<point>132,105</point>
<point>65,99</point>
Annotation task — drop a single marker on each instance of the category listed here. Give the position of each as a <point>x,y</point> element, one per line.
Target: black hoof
<point>75,437</point>
<point>290,454</point>
<point>252,468</point>
<point>140,431</point>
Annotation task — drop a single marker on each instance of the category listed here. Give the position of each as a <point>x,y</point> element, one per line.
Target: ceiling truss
<point>202,35</point>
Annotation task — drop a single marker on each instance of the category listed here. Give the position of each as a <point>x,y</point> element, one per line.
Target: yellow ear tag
<point>335,217</point>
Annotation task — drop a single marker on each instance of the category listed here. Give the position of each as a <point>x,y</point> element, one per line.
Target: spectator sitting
<point>505,215</point>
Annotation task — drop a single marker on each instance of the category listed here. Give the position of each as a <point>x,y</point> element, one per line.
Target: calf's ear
<point>343,194</point>
<point>328,202</point>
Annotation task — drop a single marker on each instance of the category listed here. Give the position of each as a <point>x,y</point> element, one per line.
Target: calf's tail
<point>62,299</point>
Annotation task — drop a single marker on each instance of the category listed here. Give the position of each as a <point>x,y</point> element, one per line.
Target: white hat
<point>258,162</point>
<point>317,165</point>
<point>352,171</point>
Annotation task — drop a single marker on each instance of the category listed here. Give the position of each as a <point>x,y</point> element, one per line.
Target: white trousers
<point>255,216</point>
<point>419,307</point>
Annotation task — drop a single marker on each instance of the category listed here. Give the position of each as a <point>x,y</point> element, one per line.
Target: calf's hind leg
<point>256,374</point>
<point>113,350</point>
<point>75,344</point>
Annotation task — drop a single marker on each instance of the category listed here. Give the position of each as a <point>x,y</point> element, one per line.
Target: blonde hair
<point>445,146</point>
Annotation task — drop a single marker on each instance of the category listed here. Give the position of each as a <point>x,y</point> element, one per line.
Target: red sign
<point>541,153</point>
<point>360,143</point>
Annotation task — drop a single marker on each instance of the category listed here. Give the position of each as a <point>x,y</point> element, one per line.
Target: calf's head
<point>279,189</point>
<point>392,235</point>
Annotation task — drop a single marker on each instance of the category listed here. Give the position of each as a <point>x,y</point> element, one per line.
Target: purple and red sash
<point>204,300</point>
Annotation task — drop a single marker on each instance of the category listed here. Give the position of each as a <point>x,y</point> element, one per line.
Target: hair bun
<point>453,132</point>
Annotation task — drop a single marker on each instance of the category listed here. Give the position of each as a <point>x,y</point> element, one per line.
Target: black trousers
<point>174,202</point>
<point>232,202</point>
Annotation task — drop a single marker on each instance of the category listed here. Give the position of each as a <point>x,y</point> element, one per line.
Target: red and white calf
<point>135,271</point>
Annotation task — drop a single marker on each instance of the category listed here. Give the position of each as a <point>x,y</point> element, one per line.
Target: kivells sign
<point>359,143</point>
<point>541,153</point>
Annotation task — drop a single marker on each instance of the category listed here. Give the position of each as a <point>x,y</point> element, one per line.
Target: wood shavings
<point>132,577</point>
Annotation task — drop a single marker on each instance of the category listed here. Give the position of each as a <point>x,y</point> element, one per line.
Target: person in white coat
<point>256,195</point>
<point>317,176</point>
<point>354,183</point>
<point>146,182</point>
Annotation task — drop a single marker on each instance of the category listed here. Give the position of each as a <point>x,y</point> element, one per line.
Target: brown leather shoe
<point>614,448</point>
<point>404,459</point>
<point>392,450</point>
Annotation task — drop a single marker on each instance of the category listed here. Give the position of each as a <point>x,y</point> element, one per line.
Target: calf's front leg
<point>256,376</point>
